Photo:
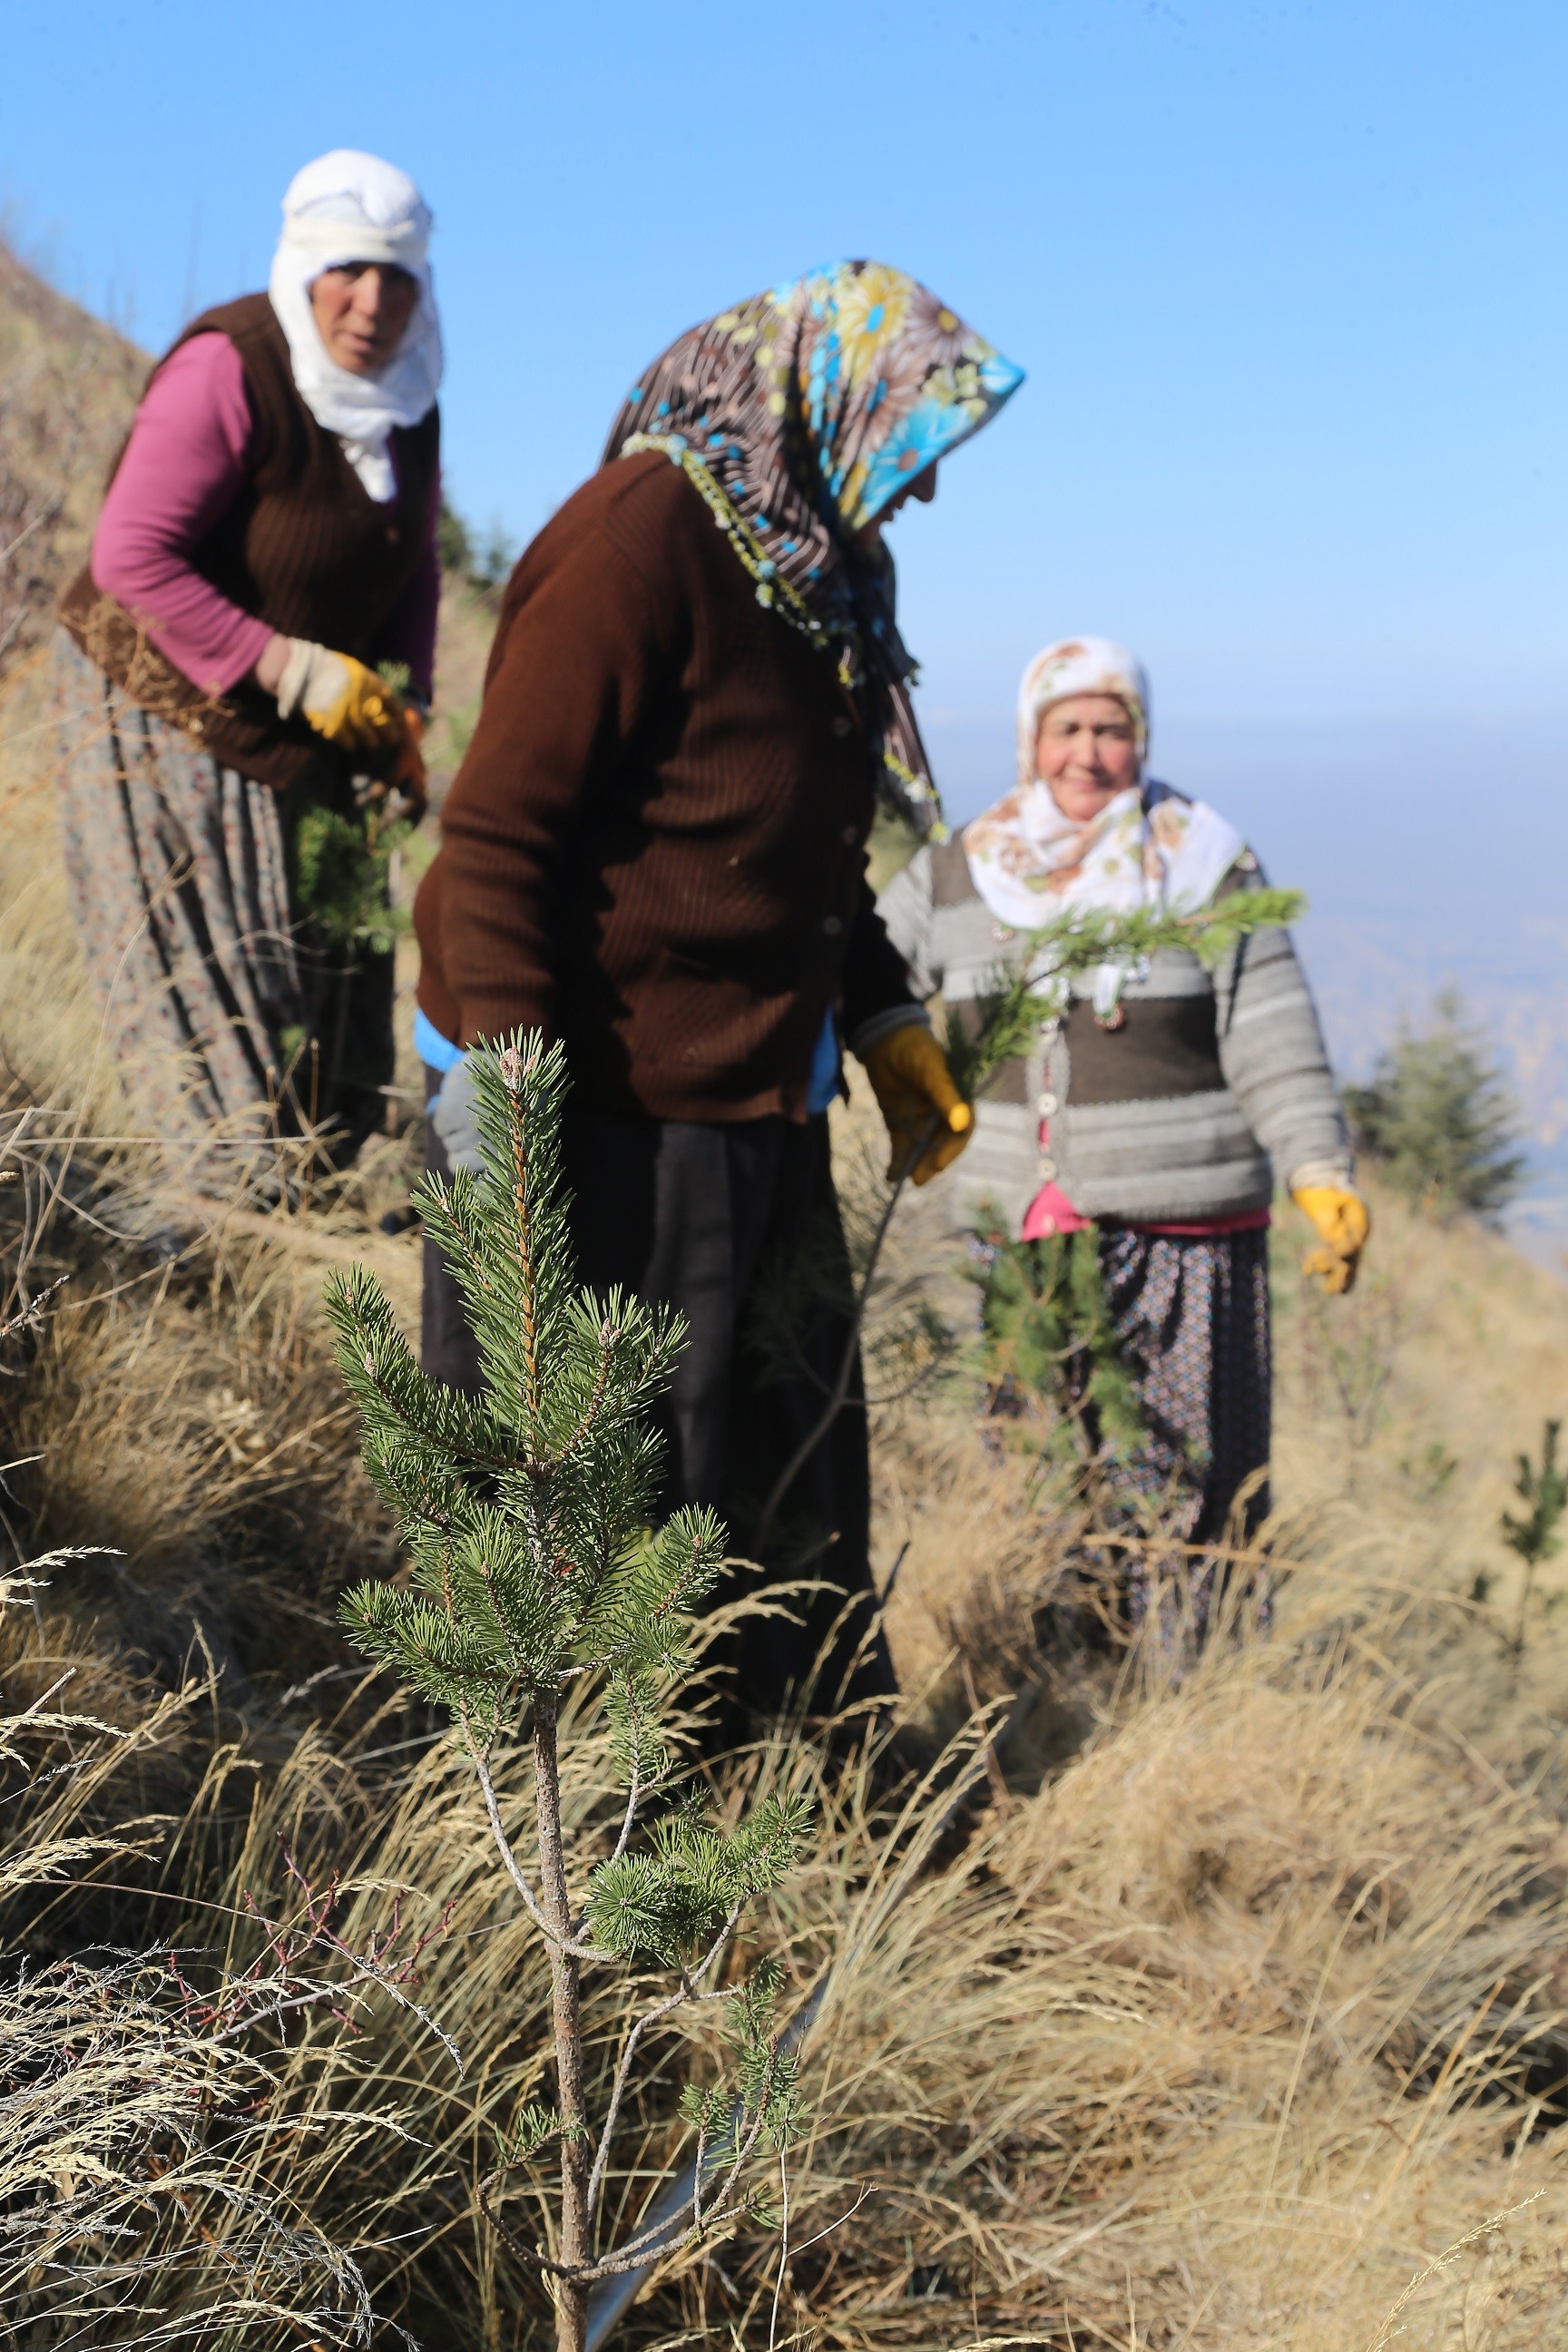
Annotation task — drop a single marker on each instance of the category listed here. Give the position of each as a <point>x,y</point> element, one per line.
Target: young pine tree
<point>1047,1327</point>
<point>527,1512</point>
<point>1533,1533</point>
<point>1441,1117</point>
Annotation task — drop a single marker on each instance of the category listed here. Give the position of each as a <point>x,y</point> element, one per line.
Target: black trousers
<point>738,1227</point>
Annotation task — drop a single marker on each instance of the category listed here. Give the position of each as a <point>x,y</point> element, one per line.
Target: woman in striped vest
<point>1162,1104</point>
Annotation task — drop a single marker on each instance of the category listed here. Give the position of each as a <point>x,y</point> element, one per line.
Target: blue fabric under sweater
<point>823,1085</point>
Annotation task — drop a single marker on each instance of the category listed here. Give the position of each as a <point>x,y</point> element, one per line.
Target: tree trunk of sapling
<point>571,2299</point>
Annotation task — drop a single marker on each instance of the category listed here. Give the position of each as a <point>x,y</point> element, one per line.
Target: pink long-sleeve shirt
<point>195,443</point>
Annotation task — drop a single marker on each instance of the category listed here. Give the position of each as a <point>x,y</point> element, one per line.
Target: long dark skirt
<point>232,1016</point>
<point>711,1220</point>
<point>1192,1313</point>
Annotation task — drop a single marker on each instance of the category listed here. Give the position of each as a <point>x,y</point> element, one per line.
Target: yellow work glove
<point>925,1113</point>
<point>340,698</point>
<point>1344,1221</point>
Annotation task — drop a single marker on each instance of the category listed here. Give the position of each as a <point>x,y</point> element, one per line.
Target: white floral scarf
<point>1148,847</point>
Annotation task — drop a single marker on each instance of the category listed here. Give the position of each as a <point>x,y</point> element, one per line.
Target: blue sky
<point>1288,275</point>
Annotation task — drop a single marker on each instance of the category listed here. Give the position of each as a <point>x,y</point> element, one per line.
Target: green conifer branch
<point>342,876</point>
<point>1024,995</point>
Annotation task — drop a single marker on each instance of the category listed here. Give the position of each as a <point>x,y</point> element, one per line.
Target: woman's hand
<point>915,1092</point>
<point>269,668</point>
<point>338,695</point>
<point>1343,1221</point>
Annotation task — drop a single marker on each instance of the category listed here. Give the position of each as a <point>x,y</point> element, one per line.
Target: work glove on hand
<point>456,1119</point>
<point>1344,1221</point>
<point>339,699</point>
<point>923,1110</point>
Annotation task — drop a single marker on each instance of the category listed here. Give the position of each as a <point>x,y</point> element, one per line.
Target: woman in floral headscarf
<point>1162,1104</point>
<point>656,851</point>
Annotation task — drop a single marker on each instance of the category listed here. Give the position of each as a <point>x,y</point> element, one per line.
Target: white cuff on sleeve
<point>1336,1172</point>
<point>882,1025</point>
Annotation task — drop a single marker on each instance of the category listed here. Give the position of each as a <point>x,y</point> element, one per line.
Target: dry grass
<point>1230,2002</point>
<point>67,387</point>
<point>1232,2005</point>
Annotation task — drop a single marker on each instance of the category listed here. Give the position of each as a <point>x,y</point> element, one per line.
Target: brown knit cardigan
<point>654,849</point>
<point>304,547</point>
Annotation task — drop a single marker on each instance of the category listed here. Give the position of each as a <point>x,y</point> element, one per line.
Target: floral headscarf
<point>798,415</point>
<point>1080,666</point>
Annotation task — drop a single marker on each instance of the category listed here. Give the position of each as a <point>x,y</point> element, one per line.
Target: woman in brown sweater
<point>656,851</point>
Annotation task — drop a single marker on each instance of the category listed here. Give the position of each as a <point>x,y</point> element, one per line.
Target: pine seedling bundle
<point>527,1513</point>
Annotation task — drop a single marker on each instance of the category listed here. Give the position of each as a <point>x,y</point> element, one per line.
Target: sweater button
<point>1048,1170</point>
<point>1048,1105</point>
<point>832,926</point>
<point>841,726</point>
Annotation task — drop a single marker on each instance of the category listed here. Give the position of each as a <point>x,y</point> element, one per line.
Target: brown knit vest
<point>304,547</point>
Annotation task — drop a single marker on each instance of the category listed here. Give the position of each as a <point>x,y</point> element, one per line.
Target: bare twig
<point>840,1390</point>
<point>513,1868</point>
<point>686,1993</point>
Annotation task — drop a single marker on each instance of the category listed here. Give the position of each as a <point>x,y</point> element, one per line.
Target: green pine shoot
<point>1025,996</point>
<point>1048,1330</point>
<point>343,877</point>
<point>1532,1533</point>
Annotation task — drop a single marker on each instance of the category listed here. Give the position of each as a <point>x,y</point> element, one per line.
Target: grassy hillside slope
<point>1235,1998</point>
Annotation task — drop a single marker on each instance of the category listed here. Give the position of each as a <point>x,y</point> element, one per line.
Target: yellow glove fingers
<point>1340,1216</point>
<point>942,1154</point>
<point>364,714</point>
<point>927,1117</point>
<point>340,698</point>
<point>925,1069</point>
<point>1336,1272</point>
<point>1343,1221</point>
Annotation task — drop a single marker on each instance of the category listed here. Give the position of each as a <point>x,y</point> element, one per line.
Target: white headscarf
<point>345,208</point>
<point>1080,666</point>
<point>1147,848</point>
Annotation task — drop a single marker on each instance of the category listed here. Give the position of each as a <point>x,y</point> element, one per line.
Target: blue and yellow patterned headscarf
<point>799,416</point>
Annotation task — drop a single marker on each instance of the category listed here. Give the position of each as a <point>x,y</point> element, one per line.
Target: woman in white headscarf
<point>1165,1100</point>
<point>250,655</point>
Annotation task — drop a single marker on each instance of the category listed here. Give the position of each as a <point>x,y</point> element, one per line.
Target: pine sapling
<point>1048,1330</point>
<point>1532,1534</point>
<point>527,1512</point>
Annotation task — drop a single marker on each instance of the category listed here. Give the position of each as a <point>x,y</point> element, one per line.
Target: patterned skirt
<point>236,1016</point>
<point>1191,1312</point>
